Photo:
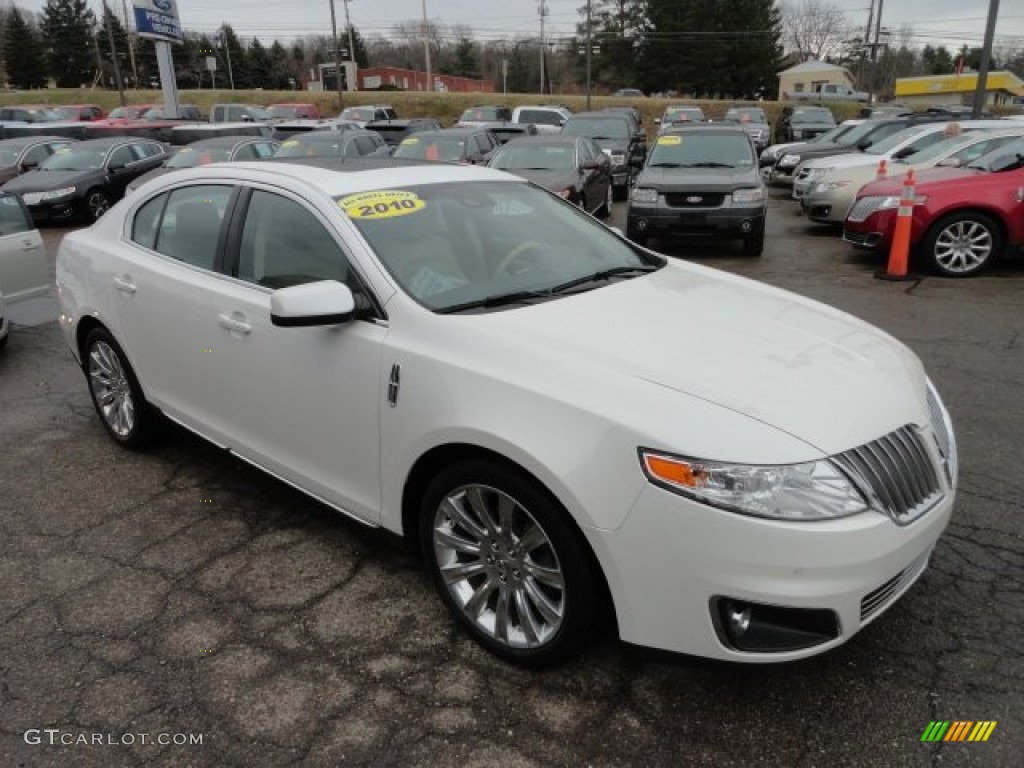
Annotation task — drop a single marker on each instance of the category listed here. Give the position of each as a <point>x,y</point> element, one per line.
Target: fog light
<point>746,225</point>
<point>641,224</point>
<point>757,628</point>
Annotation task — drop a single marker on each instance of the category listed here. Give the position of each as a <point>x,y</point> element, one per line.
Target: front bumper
<point>56,210</point>
<point>665,221</point>
<point>873,233</point>
<point>828,207</point>
<point>782,176</point>
<point>674,558</point>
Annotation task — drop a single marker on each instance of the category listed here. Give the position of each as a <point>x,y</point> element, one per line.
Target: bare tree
<point>814,29</point>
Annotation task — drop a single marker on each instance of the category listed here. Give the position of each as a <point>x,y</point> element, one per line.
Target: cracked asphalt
<point>180,592</point>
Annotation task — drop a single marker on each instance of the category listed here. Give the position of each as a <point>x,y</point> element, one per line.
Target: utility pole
<point>131,43</point>
<point>543,11</point>
<point>986,59</point>
<point>426,48</point>
<point>874,55</point>
<point>590,44</point>
<point>351,35</point>
<point>227,52</point>
<point>113,51</point>
<point>337,58</point>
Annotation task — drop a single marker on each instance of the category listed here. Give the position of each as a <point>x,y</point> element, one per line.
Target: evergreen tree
<point>616,28</point>
<point>520,74</point>
<point>259,65</point>
<point>103,35</point>
<point>280,67</point>
<point>753,53</point>
<point>67,32</point>
<point>23,52</point>
<point>464,61</point>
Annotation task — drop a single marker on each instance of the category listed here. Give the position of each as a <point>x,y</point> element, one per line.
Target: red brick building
<point>371,78</point>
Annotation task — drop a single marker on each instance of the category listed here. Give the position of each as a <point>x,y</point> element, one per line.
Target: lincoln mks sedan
<point>577,433</point>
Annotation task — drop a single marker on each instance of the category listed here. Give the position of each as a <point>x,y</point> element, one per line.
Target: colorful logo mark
<point>958,730</point>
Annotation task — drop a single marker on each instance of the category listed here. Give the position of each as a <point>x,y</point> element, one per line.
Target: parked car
<point>568,426</point>
<point>238,113</point>
<point>963,218</point>
<point>505,132</point>
<point>629,93</point>
<point>700,180</point>
<point>24,154</point>
<point>127,113</point>
<point>393,131</point>
<point>574,168</point>
<point>679,113</point>
<point>829,92</point>
<point>770,155</point>
<point>368,113</point>
<point>548,118</point>
<point>800,123</point>
<point>180,135</point>
<point>829,185</point>
<point>294,111</point>
<point>357,143</point>
<point>455,145</point>
<point>219,149</point>
<point>631,112</point>
<point>618,138</point>
<point>185,112</point>
<point>24,265</point>
<point>85,178</point>
<point>754,121</point>
<point>30,114</point>
<point>484,113</point>
<point>66,129</point>
<point>883,111</point>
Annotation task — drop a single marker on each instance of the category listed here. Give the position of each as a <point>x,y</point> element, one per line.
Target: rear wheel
<point>508,563</point>
<point>115,391</point>
<point>962,244</point>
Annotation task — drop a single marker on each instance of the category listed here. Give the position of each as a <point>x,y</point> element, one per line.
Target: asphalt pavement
<point>179,608</point>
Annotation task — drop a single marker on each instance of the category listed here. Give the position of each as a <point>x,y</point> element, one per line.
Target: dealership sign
<point>157,19</point>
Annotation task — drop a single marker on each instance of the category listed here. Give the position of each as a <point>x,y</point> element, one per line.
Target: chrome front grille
<point>896,473</point>
<point>878,598</point>
<point>863,208</point>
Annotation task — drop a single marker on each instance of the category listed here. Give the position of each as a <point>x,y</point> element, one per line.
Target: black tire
<point>552,577</point>
<point>606,207</point>
<point>97,202</point>
<point>981,242</point>
<point>115,391</point>
<point>753,244</point>
<point>621,192</point>
<point>640,238</point>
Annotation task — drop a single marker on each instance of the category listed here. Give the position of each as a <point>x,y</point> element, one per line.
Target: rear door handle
<point>234,324</point>
<point>29,245</point>
<point>125,285</point>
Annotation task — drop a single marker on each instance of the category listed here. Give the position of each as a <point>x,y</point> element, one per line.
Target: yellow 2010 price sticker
<point>670,141</point>
<point>381,204</point>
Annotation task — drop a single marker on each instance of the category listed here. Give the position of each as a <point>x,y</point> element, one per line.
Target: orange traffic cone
<point>899,252</point>
<point>883,170</point>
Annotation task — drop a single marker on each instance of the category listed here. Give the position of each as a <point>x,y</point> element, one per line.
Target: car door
<point>120,171</point>
<point>301,402</point>
<point>24,267</point>
<point>594,182</point>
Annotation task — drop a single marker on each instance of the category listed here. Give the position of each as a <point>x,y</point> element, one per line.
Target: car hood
<point>848,160</point>
<point>44,181</point>
<point>807,148</point>
<point>683,179</point>
<point>802,367</point>
<point>812,126</point>
<point>555,180</point>
<point>922,180</point>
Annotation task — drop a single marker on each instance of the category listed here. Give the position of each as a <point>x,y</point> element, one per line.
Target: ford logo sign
<point>694,199</point>
<point>164,5</point>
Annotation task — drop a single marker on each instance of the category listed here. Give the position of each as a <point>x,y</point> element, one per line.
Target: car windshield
<point>479,244</point>
<point>476,114</point>
<point>745,116</point>
<point>858,132</point>
<point>355,113</point>
<point>892,141</point>
<point>1004,158</point>
<point>683,114</point>
<point>312,146</point>
<point>9,156</point>
<point>68,159</point>
<point>701,150</point>
<point>67,113</point>
<point>597,127</point>
<point>285,113</point>
<point>812,115</point>
<point>190,157</point>
<point>832,135</point>
<point>433,148</point>
<point>534,158</point>
<point>125,112</point>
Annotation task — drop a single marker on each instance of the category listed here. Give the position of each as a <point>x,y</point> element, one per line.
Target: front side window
<point>37,154</point>
<point>284,244</point>
<point>121,157</point>
<point>189,229</point>
<point>452,244</point>
<point>12,216</point>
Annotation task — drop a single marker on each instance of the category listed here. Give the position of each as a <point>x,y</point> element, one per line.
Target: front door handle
<point>233,324</point>
<point>125,285</point>
<point>29,245</point>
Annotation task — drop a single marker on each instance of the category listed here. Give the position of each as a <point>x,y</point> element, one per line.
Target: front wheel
<point>97,202</point>
<point>753,244</point>
<point>962,244</point>
<point>508,563</point>
<point>115,391</point>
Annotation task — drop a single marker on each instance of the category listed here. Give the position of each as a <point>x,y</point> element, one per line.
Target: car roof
<point>23,140</point>
<point>601,115</point>
<point>551,140</point>
<point>324,136</point>
<point>349,176</point>
<point>677,128</point>
<point>111,141</point>
<point>225,142</point>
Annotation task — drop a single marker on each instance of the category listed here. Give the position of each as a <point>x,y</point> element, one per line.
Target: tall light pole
<point>543,11</point>
<point>589,49</point>
<point>131,43</point>
<point>426,48</point>
<point>874,54</point>
<point>351,35</point>
<point>113,51</point>
<point>986,59</point>
<point>227,53</point>
<point>337,57</point>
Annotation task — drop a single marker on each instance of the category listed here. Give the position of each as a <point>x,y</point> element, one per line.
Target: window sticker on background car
<point>291,143</point>
<point>670,141</point>
<point>411,140</point>
<point>381,204</point>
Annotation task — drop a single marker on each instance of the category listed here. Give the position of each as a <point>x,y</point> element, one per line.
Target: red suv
<point>964,218</point>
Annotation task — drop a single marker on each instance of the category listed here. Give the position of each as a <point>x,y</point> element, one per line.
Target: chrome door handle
<point>233,325</point>
<point>29,245</point>
<point>125,285</point>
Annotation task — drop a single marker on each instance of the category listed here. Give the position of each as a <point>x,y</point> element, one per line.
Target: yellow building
<point>1000,88</point>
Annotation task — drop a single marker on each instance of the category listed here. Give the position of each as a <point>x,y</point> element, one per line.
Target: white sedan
<point>563,421</point>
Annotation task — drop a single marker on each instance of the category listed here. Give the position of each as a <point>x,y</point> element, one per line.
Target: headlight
<point>55,193</point>
<point>893,201</point>
<point>789,161</point>
<point>817,490</point>
<point>828,186</point>
<point>644,195</point>
<point>754,195</point>
<point>818,171</point>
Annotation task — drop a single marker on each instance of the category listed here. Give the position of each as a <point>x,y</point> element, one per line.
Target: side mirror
<point>326,302</point>
<point>864,144</point>
<point>905,152</point>
<point>28,165</point>
<point>949,162</point>
<point>640,136</point>
<point>590,165</point>
<point>561,123</point>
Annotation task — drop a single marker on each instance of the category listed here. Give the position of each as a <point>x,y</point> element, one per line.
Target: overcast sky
<point>949,22</point>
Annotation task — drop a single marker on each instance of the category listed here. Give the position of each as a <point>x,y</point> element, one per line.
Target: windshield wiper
<point>667,165</point>
<point>498,300</point>
<point>709,165</point>
<point>605,274</point>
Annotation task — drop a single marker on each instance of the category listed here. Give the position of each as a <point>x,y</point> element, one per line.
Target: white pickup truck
<point>830,92</point>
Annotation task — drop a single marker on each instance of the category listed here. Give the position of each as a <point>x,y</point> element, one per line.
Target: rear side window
<point>147,219</point>
<point>190,227</point>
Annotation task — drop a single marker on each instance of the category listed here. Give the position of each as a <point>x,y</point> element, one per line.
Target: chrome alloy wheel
<point>98,204</point>
<point>499,566</point>
<point>111,389</point>
<point>964,246</point>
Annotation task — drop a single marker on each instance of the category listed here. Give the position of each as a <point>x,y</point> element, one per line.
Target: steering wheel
<point>516,253</point>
